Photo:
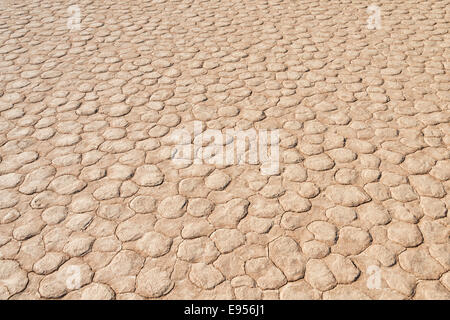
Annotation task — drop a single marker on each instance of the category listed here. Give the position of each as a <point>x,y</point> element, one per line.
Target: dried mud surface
<point>93,207</point>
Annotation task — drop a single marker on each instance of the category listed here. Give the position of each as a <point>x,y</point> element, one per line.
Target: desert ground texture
<point>94,204</point>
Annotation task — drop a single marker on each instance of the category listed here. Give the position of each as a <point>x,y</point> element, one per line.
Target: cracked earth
<point>93,207</point>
